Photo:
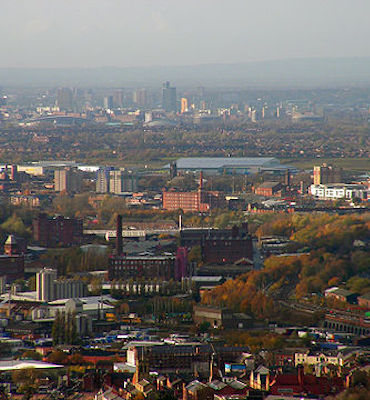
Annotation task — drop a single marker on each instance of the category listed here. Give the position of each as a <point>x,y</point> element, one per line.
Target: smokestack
<point>287,177</point>
<point>119,247</point>
<point>201,181</point>
<point>13,172</point>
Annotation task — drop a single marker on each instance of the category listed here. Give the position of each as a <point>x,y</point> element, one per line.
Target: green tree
<point>15,225</point>
<point>31,355</point>
<point>56,329</point>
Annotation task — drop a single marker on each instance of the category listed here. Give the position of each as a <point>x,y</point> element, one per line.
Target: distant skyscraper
<point>253,115</point>
<point>140,97</point>
<point>184,105</point>
<point>65,99</point>
<point>102,180</point>
<point>118,98</point>
<point>67,180</point>
<point>108,103</point>
<point>169,97</point>
<point>122,181</point>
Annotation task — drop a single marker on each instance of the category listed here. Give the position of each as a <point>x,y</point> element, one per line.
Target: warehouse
<point>229,165</point>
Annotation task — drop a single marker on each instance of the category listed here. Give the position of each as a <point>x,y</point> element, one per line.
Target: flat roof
<point>21,364</point>
<point>268,185</point>
<point>225,162</point>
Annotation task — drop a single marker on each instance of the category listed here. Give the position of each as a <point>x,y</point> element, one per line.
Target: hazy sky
<point>81,33</point>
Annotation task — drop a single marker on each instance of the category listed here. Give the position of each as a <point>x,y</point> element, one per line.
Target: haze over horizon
<point>123,33</point>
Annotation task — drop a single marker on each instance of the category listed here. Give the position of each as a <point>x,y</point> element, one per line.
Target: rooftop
<point>268,185</point>
<point>21,364</point>
<point>227,162</point>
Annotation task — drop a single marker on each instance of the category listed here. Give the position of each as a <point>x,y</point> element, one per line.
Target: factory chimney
<point>119,246</point>
<point>201,181</point>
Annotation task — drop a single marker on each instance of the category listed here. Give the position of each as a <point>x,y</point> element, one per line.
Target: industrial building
<point>164,267</point>
<point>12,261</point>
<point>220,246</point>
<point>49,288</point>
<point>230,165</point>
<point>195,201</point>
<point>324,173</point>
<point>57,231</point>
<point>339,191</point>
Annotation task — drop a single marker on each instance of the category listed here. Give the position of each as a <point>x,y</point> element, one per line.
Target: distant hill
<point>308,72</point>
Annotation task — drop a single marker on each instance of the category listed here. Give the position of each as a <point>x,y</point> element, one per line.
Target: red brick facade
<point>200,201</point>
<point>57,231</point>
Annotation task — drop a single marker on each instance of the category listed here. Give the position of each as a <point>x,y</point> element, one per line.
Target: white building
<point>45,284</point>
<point>335,357</point>
<point>334,191</point>
<point>48,288</point>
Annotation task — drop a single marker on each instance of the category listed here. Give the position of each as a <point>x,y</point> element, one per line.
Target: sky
<point>91,33</point>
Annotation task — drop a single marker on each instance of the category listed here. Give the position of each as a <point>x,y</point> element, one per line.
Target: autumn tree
<point>27,381</point>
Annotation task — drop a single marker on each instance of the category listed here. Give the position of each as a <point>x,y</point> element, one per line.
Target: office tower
<point>45,290</point>
<point>65,99</point>
<point>184,105</point>
<point>326,174</point>
<point>68,180</point>
<point>108,103</point>
<point>140,97</point>
<point>253,115</point>
<point>169,97</point>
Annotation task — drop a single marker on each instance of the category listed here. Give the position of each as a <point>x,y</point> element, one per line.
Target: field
<point>353,164</point>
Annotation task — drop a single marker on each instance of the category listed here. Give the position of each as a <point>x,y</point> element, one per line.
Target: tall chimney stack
<point>201,181</point>
<point>119,246</point>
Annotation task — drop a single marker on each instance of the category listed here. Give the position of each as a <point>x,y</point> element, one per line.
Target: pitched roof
<point>268,185</point>
<point>225,162</point>
<point>195,385</point>
<point>11,240</point>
